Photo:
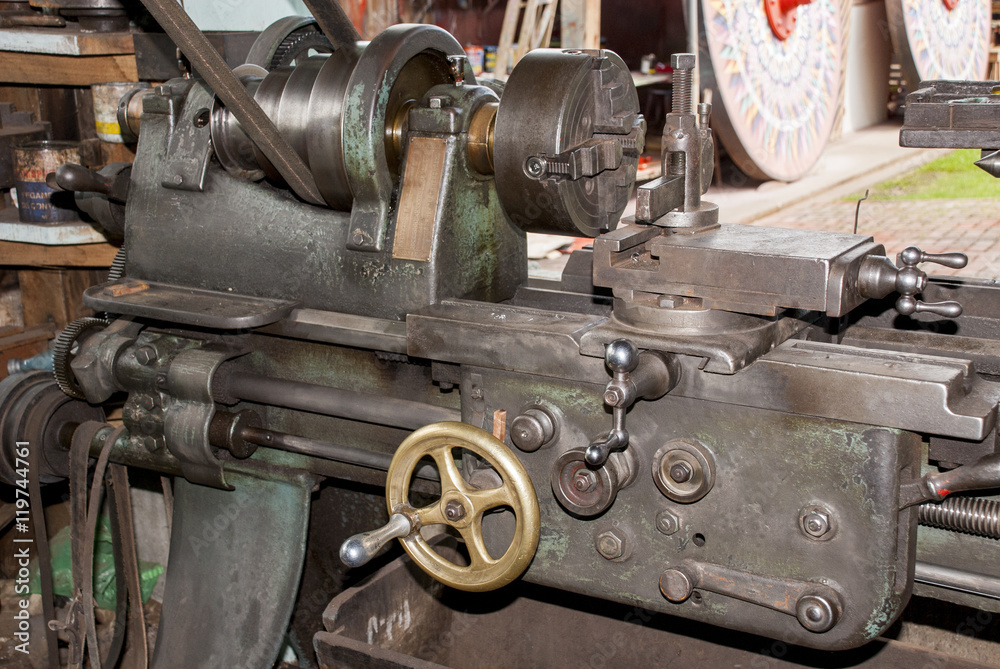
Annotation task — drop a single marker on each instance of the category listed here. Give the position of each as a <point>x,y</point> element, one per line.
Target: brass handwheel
<point>461,505</point>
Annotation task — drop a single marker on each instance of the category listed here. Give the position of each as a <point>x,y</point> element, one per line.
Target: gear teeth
<point>62,354</point>
<point>117,269</point>
<point>297,42</point>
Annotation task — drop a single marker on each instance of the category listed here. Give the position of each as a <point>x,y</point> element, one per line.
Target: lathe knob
<point>621,356</point>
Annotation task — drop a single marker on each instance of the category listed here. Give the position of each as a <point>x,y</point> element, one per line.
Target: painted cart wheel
<point>777,69</point>
<point>940,39</point>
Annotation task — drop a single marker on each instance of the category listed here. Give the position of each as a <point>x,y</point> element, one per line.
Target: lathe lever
<point>646,375</point>
<point>878,277</point>
<point>359,549</point>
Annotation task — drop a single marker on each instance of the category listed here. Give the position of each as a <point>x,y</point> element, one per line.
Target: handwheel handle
<point>359,549</point>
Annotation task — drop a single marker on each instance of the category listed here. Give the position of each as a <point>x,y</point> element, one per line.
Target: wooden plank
<point>581,24</point>
<point>526,34</point>
<point>64,42</point>
<point>45,69</point>
<point>54,295</point>
<point>380,15</point>
<point>507,35</point>
<point>19,254</point>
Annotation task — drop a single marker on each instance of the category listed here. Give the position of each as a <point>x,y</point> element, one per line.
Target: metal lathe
<point>321,325</point>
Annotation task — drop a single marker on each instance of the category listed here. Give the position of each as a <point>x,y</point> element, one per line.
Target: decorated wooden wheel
<point>940,39</point>
<point>777,69</point>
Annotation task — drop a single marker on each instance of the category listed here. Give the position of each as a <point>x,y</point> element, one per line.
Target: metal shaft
<point>255,123</point>
<point>348,404</point>
<point>328,451</point>
<point>957,579</point>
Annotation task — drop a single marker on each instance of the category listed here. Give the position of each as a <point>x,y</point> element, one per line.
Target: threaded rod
<point>972,515</point>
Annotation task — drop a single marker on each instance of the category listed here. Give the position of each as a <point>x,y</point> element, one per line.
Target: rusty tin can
<point>36,202</point>
<point>106,99</point>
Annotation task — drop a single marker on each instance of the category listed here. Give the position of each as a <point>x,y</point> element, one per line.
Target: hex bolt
<point>153,444</point>
<point>667,522</point>
<point>816,523</point>
<point>147,402</point>
<point>681,472</point>
<point>145,355</point>
<point>436,102</point>
<point>585,481</point>
<point>614,397</point>
<point>612,544</point>
<point>683,65</point>
<point>454,510</point>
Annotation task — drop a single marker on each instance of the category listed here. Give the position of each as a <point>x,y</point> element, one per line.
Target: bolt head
<point>683,61</point>
<point>147,402</point>
<point>153,444</point>
<point>675,585</point>
<point>435,103</point>
<point>816,613</point>
<point>585,481</point>
<point>614,397</point>
<point>667,522</point>
<point>681,472</point>
<point>611,545</point>
<point>145,355</point>
<point>534,166</point>
<point>816,523</point>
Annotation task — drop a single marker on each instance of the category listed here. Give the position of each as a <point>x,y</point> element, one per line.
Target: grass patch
<point>951,176</point>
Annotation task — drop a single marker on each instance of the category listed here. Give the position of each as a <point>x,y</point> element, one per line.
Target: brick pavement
<point>968,225</point>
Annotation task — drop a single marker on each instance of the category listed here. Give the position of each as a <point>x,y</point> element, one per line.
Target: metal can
<point>475,55</point>
<point>36,202</point>
<point>490,58</point>
<point>106,99</point>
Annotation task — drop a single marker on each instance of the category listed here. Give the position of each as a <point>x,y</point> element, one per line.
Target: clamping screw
<point>683,65</point>
<point>534,167</point>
